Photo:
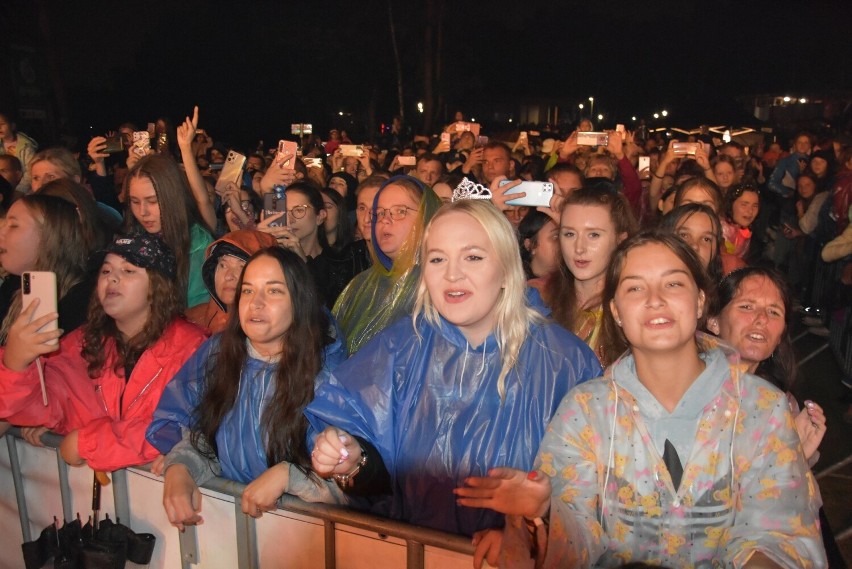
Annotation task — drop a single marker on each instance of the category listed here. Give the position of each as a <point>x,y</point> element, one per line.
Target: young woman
<point>242,394</point>
<point>675,457</point>
<point>338,226</point>
<point>45,233</point>
<point>538,236</point>
<point>593,223</point>
<point>161,204</point>
<point>700,190</point>
<point>17,144</point>
<point>226,258</point>
<point>429,401</point>
<point>53,164</point>
<point>742,204</point>
<point>106,377</point>
<point>385,292</point>
<point>700,227</point>
<point>725,172</point>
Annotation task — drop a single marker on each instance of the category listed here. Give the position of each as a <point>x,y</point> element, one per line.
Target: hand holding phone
<point>36,330</point>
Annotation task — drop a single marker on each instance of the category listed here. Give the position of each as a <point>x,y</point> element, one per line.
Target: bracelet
<point>345,481</point>
<point>535,523</point>
<point>656,176</point>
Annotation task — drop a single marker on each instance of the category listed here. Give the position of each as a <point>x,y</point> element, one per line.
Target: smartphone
<point>273,204</point>
<point>619,128</point>
<point>162,143</point>
<point>538,193</point>
<point>40,285</point>
<point>286,154</point>
<point>445,137</point>
<point>142,143</point>
<point>644,167</point>
<point>113,144</point>
<point>313,162</point>
<point>523,135</point>
<point>592,138</point>
<point>152,130</point>
<point>685,148</point>
<point>407,160</point>
<point>232,170</point>
<point>351,150</point>
<point>481,140</point>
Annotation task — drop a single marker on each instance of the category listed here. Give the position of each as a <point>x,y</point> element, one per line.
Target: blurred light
<point>340,113</point>
<point>420,107</point>
<point>726,136</point>
<point>656,115</point>
<point>665,113</point>
<point>591,98</point>
<point>803,100</point>
<point>510,120</point>
<point>633,118</point>
<point>472,119</point>
<point>581,106</point>
<point>600,117</point>
<point>786,99</point>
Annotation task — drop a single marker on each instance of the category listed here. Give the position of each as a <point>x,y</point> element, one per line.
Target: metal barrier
<point>320,535</point>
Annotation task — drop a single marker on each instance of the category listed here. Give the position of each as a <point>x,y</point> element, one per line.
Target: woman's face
<point>305,227</point>
<point>392,233</point>
<point>725,175</point>
<point>123,291</point>
<point>463,274</point>
<point>819,166</point>
<point>144,204</point>
<point>338,184</point>
<point>45,171</point>
<point>545,252</point>
<point>19,240</point>
<point>587,238</point>
<point>754,321</point>
<point>745,209</point>
<point>657,301</point>
<point>806,187</point>
<point>266,307</point>
<point>332,215</point>
<point>697,194</point>
<point>698,232</point>
<point>225,278</point>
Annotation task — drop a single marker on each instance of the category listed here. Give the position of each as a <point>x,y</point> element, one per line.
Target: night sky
<point>255,67</point>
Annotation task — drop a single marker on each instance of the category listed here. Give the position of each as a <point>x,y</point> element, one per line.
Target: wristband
<point>656,176</point>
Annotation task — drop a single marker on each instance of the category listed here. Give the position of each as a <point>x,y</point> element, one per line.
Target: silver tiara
<point>468,190</point>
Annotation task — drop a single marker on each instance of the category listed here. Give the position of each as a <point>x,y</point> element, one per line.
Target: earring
<point>618,322</point>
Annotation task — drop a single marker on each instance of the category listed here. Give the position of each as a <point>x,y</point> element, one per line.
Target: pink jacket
<point>111,414</point>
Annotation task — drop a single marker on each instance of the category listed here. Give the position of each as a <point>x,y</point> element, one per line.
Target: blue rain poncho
<point>241,446</point>
<point>428,402</point>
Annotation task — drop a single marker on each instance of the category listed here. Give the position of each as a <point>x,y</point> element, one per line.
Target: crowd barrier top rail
<point>416,537</point>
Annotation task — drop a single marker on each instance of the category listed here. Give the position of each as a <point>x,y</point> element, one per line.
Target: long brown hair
<point>164,296</point>
<point>561,293</point>
<point>178,211</point>
<point>283,422</point>
<point>61,247</point>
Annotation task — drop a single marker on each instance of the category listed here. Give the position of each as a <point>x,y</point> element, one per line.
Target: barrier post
<point>330,547</point>
<point>64,488</point>
<point>414,554</point>
<point>246,538</point>
<point>120,496</point>
<point>20,497</point>
<point>188,540</point>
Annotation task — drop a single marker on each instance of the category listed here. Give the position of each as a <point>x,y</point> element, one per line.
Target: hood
<point>241,244</point>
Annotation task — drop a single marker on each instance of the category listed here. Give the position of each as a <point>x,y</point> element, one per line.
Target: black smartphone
<point>114,144</point>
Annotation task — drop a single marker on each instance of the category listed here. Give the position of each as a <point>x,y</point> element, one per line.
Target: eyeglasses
<point>299,211</point>
<point>395,213</point>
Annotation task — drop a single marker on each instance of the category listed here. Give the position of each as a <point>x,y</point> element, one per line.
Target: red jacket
<point>111,414</point>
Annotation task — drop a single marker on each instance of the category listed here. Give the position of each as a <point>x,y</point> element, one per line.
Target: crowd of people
<point>602,379</point>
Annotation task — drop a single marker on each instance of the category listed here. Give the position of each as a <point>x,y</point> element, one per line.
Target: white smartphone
<point>644,167</point>
<point>592,138</point>
<point>232,171</point>
<point>537,193</point>
<point>40,285</point>
<point>407,160</point>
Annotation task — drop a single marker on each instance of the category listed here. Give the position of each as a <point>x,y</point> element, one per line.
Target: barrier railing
<point>298,534</point>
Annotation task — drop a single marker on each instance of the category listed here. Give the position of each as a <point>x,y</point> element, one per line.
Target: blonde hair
<point>62,159</point>
<point>513,313</point>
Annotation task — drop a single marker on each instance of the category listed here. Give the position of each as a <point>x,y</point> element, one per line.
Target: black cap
<point>145,251</point>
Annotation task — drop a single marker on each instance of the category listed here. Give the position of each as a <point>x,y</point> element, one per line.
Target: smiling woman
<point>397,417</point>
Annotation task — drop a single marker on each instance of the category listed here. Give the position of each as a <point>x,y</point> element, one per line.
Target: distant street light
<point>420,106</point>
<point>340,113</point>
<point>803,100</point>
<point>633,118</point>
<point>786,99</point>
<point>600,117</point>
<point>581,106</point>
<point>510,120</point>
<point>592,101</point>
<point>665,113</point>
<point>656,115</point>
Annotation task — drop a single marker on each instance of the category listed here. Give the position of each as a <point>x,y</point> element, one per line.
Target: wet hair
<point>734,193</point>
<point>166,304</point>
<point>560,293</point>
<point>672,221</point>
<point>283,424</point>
<point>780,368</point>
<point>178,211</point>
<point>512,314</point>
<point>614,340</point>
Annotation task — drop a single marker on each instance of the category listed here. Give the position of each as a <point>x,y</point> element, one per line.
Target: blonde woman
<point>467,382</point>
